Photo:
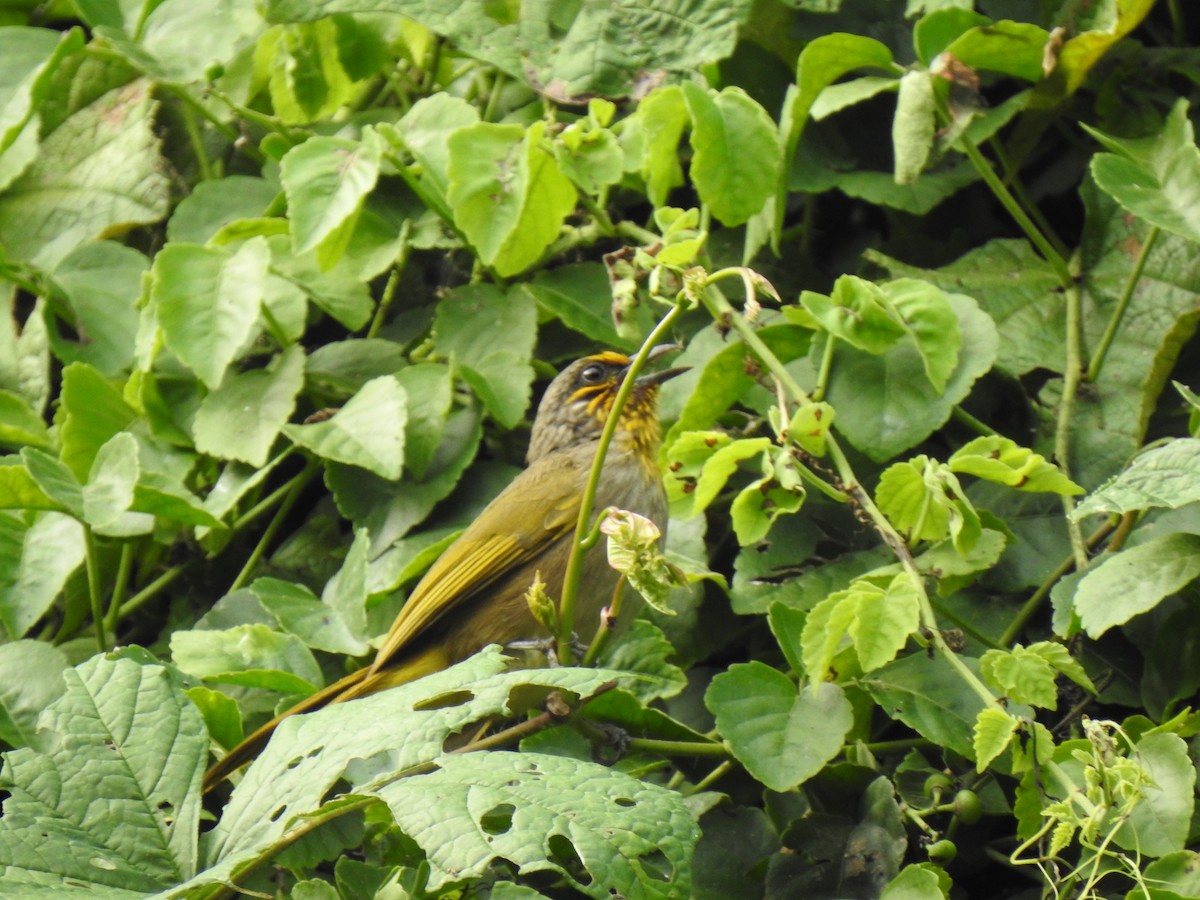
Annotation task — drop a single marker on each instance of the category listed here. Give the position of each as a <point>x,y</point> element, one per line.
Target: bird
<point>475,593</point>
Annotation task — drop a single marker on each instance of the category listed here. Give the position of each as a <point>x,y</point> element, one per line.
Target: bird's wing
<point>542,505</point>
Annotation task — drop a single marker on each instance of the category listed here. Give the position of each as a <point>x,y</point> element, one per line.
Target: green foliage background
<point>284,280</point>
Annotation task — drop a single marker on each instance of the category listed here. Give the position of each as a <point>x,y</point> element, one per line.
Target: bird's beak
<point>655,378</point>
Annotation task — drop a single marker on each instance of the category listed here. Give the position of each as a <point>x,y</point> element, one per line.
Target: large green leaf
<point>37,556</point>
<point>737,153</point>
<point>577,50</point>
<point>885,404</point>
<point>326,180</point>
<point>1163,477</point>
<point>115,801</point>
<point>1123,585</point>
<point>368,431</point>
<point>1156,178</point>
<point>783,736</point>
<point>564,814</point>
<point>507,193</point>
<point>98,173</point>
<point>208,302</point>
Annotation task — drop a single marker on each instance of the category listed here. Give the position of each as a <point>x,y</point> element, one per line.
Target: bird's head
<point>577,404</point>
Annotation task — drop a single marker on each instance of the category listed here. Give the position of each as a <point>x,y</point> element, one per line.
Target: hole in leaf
<point>498,819</point>
<point>167,808</point>
<point>444,701</point>
<point>563,854</point>
<point>626,802</point>
<point>657,866</point>
<point>279,811</point>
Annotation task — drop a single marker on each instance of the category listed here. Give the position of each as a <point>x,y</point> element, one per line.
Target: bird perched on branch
<point>475,594</point>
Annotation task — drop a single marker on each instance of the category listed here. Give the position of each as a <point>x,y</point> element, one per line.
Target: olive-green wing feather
<point>539,508</point>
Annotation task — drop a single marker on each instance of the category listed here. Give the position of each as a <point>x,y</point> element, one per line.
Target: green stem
<point>637,233</point>
<point>489,111</point>
<point>1114,322</point>
<point>119,586</point>
<point>900,745</point>
<point>1177,23</point>
<point>1072,376</point>
<point>93,582</point>
<point>197,140</point>
<point>607,229</point>
<point>184,96</point>
<point>979,427</point>
<point>707,781</point>
<point>389,290</point>
<point>679,748</point>
<point>1009,202</point>
<point>150,591</point>
<point>826,364</point>
<point>570,588</point>
<point>297,487</point>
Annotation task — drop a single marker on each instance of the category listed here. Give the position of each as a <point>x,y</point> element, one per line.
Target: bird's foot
<point>548,647</point>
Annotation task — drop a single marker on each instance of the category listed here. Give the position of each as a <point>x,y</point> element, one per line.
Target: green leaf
<point>508,195</point>
<point>367,432</point>
<point>877,620</point>
<point>601,827</point>
<point>208,302</point>
<point>930,696</point>
<point>326,180</point>
<point>1159,823</point>
<point>187,40</point>
<point>31,678</point>
<point>241,419</point>
<point>301,613</point>
<point>757,506</point>
<point>886,404</point>
<point>35,562</point>
<point>1016,287</point>
<point>115,801</point>
<point>662,115</point>
<point>19,490</point>
<point>1011,48</point>
<point>573,53</point>
<point>216,203</point>
<point>93,411</point>
<point>108,494</point>
<point>782,736</point>
<point>97,173</point>
<point>737,157</point>
<point>810,427</point>
<point>425,131</point>
<point>1135,580</point>
<point>580,297</point>
<point>428,388</point>
<point>1063,662</point>
<point>1176,874</point>
<point>55,480</point>
<point>1154,177</point>
<point>387,732</point>
<point>837,97</point>
<point>20,425</point>
<point>221,715</point>
<point>856,312</point>
<point>929,319</point>
<point>489,334</point>
<point>251,655</point>
<point>921,881</point>
<point>1163,477</point>
<point>914,125</point>
<point>998,459</point>
<point>101,281</point>
<point>1021,675</point>
<point>994,731</point>
<point>346,592</point>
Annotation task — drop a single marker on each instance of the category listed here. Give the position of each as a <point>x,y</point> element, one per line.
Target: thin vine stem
<point>570,588</point>
<point>1072,377</point>
<point>150,591</point>
<point>297,486</point>
<point>1114,322</point>
<point>1010,203</point>
<point>93,583</point>
<point>120,584</point>
<point>393,282</point>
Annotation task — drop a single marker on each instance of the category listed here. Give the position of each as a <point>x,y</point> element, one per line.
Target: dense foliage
<point>284,280</point>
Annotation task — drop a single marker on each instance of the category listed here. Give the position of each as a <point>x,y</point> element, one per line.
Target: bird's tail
<point>366,680</point>
<point>251,746</point>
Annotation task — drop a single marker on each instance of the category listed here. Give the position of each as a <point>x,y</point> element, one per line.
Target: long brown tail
<point>251,746</point>
<point>357,684</point>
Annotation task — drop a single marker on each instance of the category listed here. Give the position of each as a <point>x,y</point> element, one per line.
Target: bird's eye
<point>593,374</point>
